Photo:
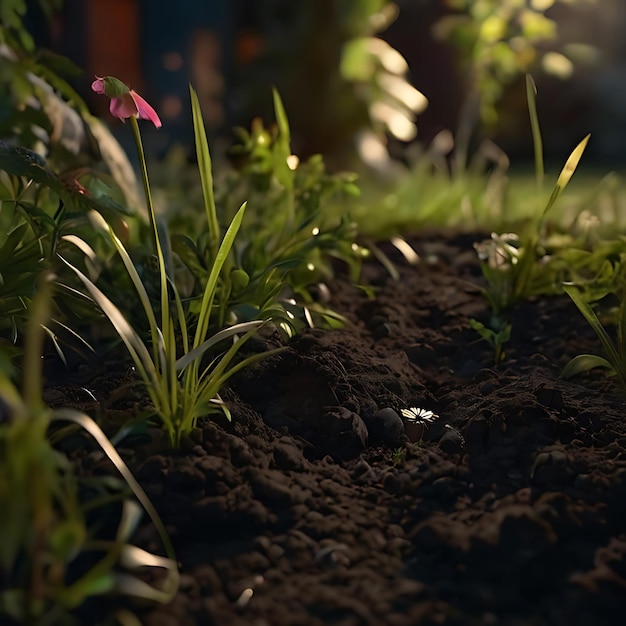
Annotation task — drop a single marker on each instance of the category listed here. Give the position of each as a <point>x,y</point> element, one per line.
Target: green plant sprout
<point>509,262</point>
<point>495,337</point>
<point>181,387</point>
<point>43,525</point>
<point>584,295</point>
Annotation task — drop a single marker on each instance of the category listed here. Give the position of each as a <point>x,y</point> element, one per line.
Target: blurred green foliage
<point>12,13</point>
<point>34,89</point>
<point>498,41</point>
<point>340,81</point>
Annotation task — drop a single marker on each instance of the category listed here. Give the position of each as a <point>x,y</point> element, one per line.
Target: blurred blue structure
<point>182,42</point>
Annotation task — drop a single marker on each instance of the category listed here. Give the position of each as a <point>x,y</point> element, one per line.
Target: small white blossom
<point>501,251</point>
<point>420,416</point>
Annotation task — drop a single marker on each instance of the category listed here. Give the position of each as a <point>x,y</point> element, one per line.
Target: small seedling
<point>510,262</point>
<point>496,335</point>
<point>399,456</point>
<point>614,361</point>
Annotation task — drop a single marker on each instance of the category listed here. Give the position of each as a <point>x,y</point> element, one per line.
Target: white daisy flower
<point>421,416</point>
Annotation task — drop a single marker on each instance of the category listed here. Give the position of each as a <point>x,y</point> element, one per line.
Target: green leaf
<point>199,351</point>
<point>187,251</point>
<point>20,161</point>
<point>67,538</point>
<point>114,87</point>
<point>567,172</point>
<point>211,285</point>
<point>282,149</point>
<point>170,584</point>
<point>58,64</point>
<point>589,314</point>
<point>583,363</point>
<point>531,96</point>
<point>615,356</point>
<point>11,13</point>
<point>283,124</point>
<point>206,172</point>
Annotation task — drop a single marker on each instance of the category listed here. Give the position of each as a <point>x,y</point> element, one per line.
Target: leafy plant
<point>584,294</point>
<point>290,238</point>
<point>181,384</point>
<point>398,456</point>
<point>39,210</point>
<point>496,335</point>
<point>512,264</point>
<point>509,261</point>
<point>43,527</point>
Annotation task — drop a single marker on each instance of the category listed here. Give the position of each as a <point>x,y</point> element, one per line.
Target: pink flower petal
<point>123,106</point>
<point>144,110</point>
<point>125,102</point>
<point>98,85</point>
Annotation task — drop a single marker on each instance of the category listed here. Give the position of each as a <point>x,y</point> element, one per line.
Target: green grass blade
<point>135,346</point>
<point>39,314</point>
<point>182,322</point>
<point>206,173</point>
<point>135,278</point>
<point>170,584</point>
<point>284,140</point>
<point>165,245</point>
<point>283,144</point>
<point>531,96</point>
<point>218,263</point>
<point>566,173</point>
<point>621,323</point>
<point>225,333</point>
<point>589,314</point>
<point>224,361</point>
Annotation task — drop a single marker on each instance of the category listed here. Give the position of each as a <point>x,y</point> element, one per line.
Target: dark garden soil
<point>314,508</point>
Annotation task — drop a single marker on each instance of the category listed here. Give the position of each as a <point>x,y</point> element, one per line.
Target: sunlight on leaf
<point>583,363</point>
<point>531,96</point>
<point>567,172</point>
<point>223,334</point>
<point>206,172</point>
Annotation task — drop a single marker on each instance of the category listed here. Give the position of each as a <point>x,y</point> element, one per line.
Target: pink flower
<point>125,102</point>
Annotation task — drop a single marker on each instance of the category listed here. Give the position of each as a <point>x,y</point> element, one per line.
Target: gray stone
<point>385,427</point>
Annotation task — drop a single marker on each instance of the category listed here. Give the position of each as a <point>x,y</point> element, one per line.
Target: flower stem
<point>165,312</point>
